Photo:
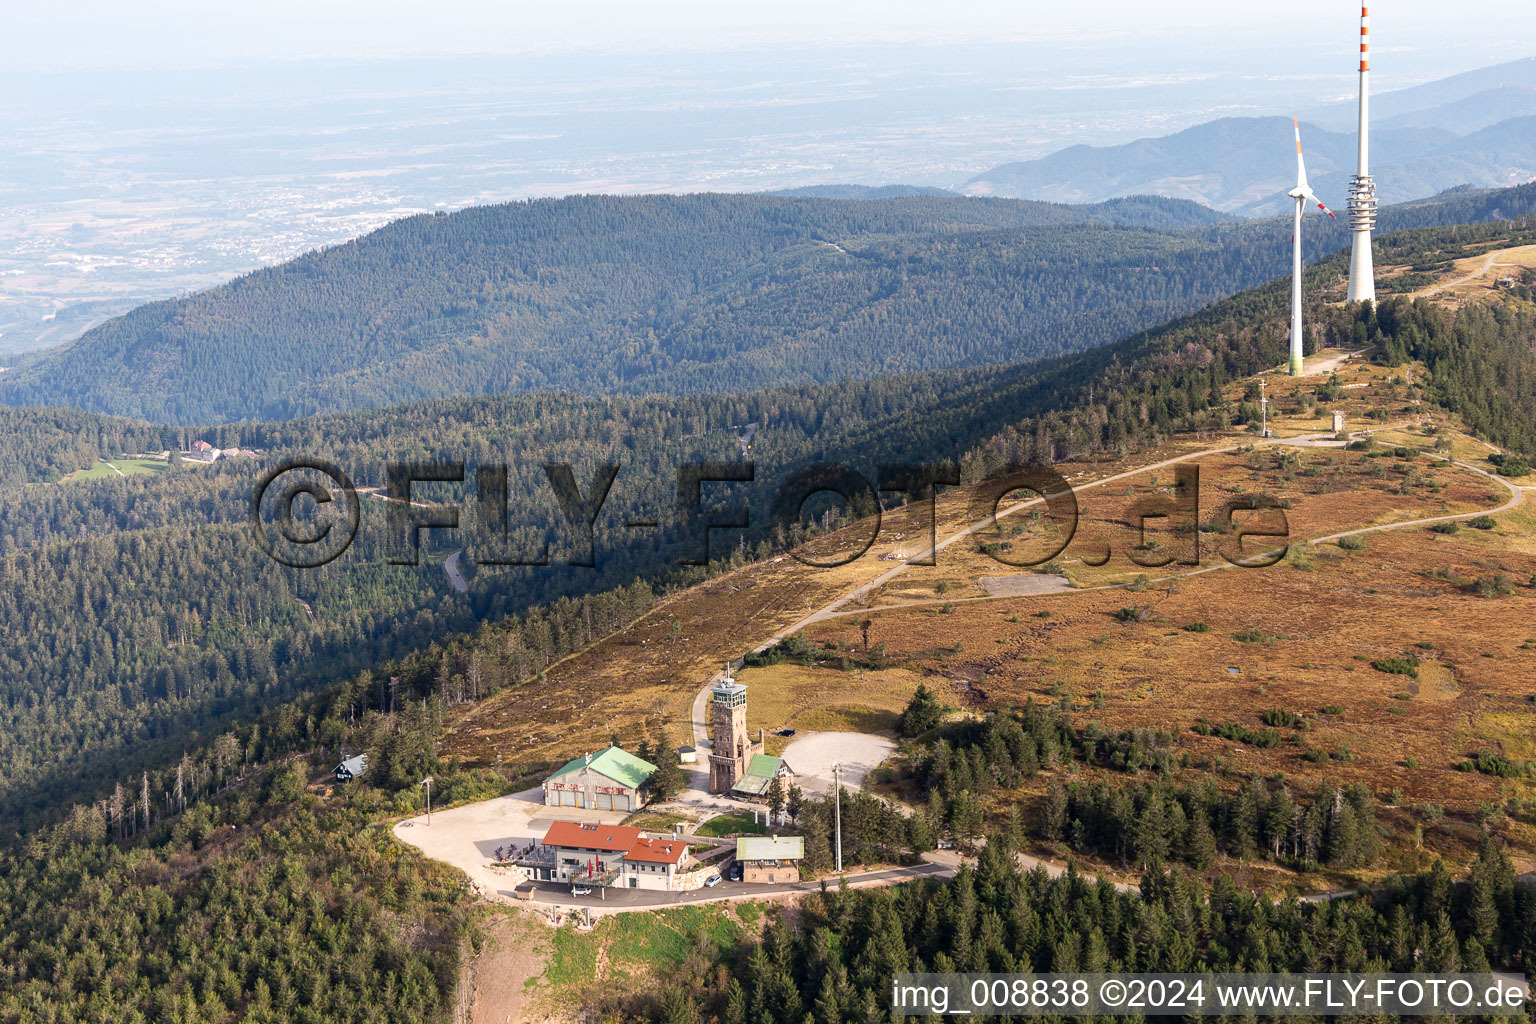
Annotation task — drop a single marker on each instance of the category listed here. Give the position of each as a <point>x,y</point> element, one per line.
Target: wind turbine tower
<point>1302,194</point>
<point>1362,187</point>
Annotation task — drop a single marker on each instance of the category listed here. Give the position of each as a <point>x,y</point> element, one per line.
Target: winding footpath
<point>1436,289</point>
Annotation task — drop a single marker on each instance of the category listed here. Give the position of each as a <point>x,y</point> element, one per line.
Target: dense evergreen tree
<point>922,713</point>
<point>840,949</point>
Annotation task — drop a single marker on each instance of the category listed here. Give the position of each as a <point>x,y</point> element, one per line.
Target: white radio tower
<point>1362,188</point>
<point>1303,194</point>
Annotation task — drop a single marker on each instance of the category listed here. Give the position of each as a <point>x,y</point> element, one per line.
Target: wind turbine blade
<point>1301,167</point>
<point>1320,204</point>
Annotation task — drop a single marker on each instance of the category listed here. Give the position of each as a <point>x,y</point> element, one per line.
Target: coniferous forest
<point>674,294</point>
<point>833,962</point>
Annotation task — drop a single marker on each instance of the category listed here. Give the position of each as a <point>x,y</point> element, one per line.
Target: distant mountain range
<point>654,294</point>
<point>689,294</point>
<point>1471,100</point>
<point>1477,128</point>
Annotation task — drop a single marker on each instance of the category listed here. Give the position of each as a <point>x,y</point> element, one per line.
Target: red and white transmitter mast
<point>1362,187</point>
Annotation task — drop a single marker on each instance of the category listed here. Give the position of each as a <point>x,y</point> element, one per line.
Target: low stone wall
<point>511,872</point>
<point>774,875</point>
<point>689,881</point>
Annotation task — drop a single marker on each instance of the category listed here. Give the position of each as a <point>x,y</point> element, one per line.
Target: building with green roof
<point>609,780</point>
<point>770,860</point>
<point>762,769</point>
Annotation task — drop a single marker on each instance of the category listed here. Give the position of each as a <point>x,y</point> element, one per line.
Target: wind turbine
<point>1303,194</point>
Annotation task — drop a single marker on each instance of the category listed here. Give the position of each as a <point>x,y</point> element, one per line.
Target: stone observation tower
<point>733,749</point>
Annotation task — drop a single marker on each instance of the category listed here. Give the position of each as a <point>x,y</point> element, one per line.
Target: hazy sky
<point>79,34</point>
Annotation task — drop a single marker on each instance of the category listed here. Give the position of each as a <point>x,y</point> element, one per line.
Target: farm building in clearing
<point>610,780</point>
<point>770,859</point>
<point>351,768</point>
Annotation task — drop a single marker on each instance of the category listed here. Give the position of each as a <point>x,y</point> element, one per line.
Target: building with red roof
<point>590,837</point>
<point>579,851</point>
<point>584,852</point>
<point>654,863</point>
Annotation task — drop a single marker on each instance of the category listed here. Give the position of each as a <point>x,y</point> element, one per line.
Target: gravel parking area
<point>812,755</point>
<point>467,837</point>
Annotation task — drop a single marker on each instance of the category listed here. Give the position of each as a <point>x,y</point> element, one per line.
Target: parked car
<point>711,881</point>
<point>581,890</point>
<point>736,872</point>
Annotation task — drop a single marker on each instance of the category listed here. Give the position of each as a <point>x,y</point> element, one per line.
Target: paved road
<point>451,564</point>
<point>701,725</point>
<point>455,574</point>
<point>621,900</point>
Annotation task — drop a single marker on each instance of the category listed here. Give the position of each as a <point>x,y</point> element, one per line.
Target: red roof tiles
<point>658,851</point>
<point>579,836</point>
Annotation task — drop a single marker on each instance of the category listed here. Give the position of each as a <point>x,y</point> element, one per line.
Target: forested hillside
<point>670,294</point>
<point>693,294</point>
<point>1166,380</point>
<point>1462,205</point>
<point>137,609</point>
<point>1482,363</point>
<point>220,887</point>
<point>1142,211</point>
<point>138,613</point>
<point>47,443</point>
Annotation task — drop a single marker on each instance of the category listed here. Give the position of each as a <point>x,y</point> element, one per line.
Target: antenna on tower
<point>1362,187</point>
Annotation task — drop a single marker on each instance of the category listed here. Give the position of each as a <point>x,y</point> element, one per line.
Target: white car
<point>711,881</point>
<point>581,890</point>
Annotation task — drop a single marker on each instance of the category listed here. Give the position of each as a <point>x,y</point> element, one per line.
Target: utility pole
<point>837,810</point>
<point>1264,405</point>
<point>428,783</point>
